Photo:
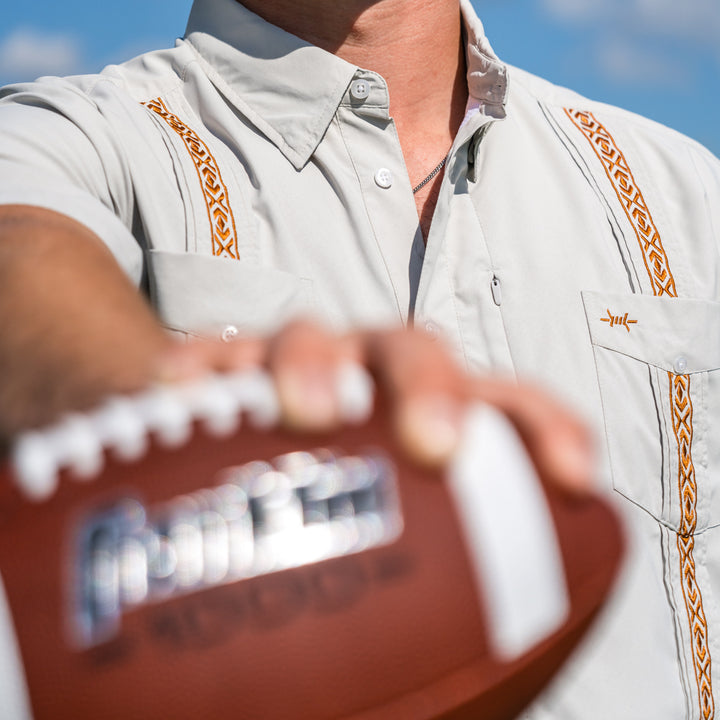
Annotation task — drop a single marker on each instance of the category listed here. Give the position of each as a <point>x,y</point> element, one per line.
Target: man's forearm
<point>72,326</point>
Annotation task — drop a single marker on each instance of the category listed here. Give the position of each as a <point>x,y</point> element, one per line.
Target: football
<point>180,555</point>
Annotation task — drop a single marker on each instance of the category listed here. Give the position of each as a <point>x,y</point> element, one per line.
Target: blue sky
<point>660,58</point>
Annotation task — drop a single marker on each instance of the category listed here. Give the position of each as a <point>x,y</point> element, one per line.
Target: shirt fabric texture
<point>241,179</point>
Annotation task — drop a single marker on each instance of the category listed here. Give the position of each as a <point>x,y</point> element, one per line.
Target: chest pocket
<point>204,295</point>
<point>658,365</point>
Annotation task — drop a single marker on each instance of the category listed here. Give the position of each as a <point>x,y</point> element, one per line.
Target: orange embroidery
<point>621,177</point>
<point>682,416</point>
<point>618,320</point>
<point>222,221</point>
<point>663,283</point>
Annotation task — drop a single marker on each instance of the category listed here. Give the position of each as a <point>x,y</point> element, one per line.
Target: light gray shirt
<point>245,177</point>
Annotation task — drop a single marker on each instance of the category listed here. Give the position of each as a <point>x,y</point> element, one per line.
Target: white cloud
<point>28,53</point>
<point>692,19</point>
<point>624,61</point>
<point>640,41</point>
<point>573,10</point>
<point>697,20</point>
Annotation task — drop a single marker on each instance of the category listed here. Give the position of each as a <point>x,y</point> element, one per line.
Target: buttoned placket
<point>460,291</point>
<point>373,145</point>
<point>424,290</point>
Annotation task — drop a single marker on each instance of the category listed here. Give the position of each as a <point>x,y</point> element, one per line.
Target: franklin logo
<point>618,320</point>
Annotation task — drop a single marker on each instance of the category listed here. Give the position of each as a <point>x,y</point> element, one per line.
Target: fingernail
<point>430,428</point>
<point>177,364</point>
<point>307,397</point>
<point>354,393</point>
<point>574,464</point>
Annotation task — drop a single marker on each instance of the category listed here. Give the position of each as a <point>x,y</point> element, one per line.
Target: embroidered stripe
<point>623,182</point>
<point>663,283</point>
<point>682,416</point>
<point>220,216</point>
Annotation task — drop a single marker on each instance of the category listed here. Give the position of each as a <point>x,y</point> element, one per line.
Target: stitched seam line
<point>376,237</point>
<point>215,192</point>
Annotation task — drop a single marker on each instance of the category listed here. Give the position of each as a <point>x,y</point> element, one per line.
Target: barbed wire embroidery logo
<point>621,320</point>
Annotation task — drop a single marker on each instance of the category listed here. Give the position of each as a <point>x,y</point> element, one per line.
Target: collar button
<point>360,89</point>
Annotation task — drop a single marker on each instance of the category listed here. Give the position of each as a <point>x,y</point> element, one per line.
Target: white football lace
<point>509,531</point>
<point>124,425</point>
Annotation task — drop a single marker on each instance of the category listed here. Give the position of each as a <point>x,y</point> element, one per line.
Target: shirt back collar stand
<point>486,74</point>
<point>290,90</point>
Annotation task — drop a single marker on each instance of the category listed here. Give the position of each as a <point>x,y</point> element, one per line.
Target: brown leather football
<point>255,573</point>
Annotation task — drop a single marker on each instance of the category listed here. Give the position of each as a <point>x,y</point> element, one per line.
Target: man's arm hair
<point>72,326</point>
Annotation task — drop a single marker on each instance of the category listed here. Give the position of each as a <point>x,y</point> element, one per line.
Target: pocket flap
<point>674,334</point>
<point>201,294</point>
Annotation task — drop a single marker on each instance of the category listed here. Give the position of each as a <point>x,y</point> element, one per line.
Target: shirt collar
<point>290,90</point>
<point>486,74</point>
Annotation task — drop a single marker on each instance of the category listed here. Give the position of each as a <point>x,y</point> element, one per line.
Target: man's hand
<point>428,391</point>
<point>75,330</point>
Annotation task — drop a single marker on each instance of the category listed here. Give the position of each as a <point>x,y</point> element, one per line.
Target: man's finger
<point>305,361</point>
<point>559,444</point>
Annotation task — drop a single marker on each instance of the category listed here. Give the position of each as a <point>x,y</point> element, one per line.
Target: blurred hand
<point>74,330</point>
<point>429,393</point>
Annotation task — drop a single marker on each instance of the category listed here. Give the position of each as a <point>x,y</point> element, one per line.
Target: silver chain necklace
<point>434,172</point>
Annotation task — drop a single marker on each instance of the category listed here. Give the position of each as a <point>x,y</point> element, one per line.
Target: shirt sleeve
<point>57,151</point>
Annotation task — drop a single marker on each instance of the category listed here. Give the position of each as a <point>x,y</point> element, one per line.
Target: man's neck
<point>374,34</point>
<point>414,44</point>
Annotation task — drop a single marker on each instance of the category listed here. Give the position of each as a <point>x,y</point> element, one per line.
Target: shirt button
<point>431,330</point>
<point>229,334</point>
<point>360,89</point>
<point>383,178</point>
<point>680,365</point>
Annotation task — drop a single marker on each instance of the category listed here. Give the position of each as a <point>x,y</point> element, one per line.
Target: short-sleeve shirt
<point>245,177</point>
